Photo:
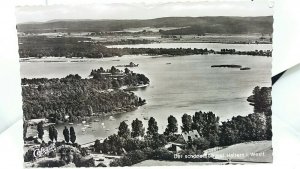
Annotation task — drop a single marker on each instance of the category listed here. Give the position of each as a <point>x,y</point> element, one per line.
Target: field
<point>250,152</point>
<point>256,151</point>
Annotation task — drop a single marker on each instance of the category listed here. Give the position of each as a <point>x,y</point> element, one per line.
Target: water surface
<point>178,85</point>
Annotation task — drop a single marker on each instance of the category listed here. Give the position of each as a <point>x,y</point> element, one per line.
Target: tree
<point>137,128</point>
<point>186,123</point>
<point>210,128</point>
<point>90,110</point>
<point>172,126</point>
<point>97,146</point>
<point>113,70</point>
<point>55,134</point>
<point>51,132</point>
<point>40,129</point>
<point>201,143</point>
<point>152,127</point>
<point>269,133</point>
<point>157,140</point>
<point>198,122</point>
<point>115,143</point>
<point>72,135</point>
<point>124,130</point>
<point>228,134</point>
<point>25,126</point>
<point>115,84</point>
<point>126,70</point>
<point>261,100</point>
<point>66,134</point>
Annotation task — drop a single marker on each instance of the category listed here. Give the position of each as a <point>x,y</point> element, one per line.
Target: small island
<point>245,68</point>
<point>131,64</point>
<point>231,66</point>
<point>228,66</point>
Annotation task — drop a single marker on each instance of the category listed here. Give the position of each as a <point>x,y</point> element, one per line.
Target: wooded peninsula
<point>76,97</point>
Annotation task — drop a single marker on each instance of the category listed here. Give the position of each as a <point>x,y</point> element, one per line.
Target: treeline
<point>190,51</point>
<point>254,127</point>
<point>253,53</point>
<point>41,46</point>
<point>164,51</point>
<point>129,42</point>
<point>76,97</point>
<point>261,100</point>
<point>137,145</point>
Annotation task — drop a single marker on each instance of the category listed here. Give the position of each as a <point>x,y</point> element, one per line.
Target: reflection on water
<point>185,85</point>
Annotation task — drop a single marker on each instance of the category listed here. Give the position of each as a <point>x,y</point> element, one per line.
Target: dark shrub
<point>129,159</point>
<point>52,154</point>
<point>101,165</point>
<point>29,156</point>
<point>201,143</point>
<point>163,154</point>
<point>51,163</point>
<point>86,163</point>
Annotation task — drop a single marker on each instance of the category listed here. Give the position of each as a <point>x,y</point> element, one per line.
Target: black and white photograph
<point>146,83</point>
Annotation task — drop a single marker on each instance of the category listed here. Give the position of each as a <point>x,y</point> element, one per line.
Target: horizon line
<point>66,20</point>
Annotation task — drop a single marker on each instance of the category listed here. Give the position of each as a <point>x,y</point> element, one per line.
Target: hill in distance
<point>193,25</point>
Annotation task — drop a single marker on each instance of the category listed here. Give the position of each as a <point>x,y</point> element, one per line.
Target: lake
<point>178,85</point>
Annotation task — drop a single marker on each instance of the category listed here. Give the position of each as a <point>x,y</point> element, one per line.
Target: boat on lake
<point>111,118</point>
<point>129,88</point>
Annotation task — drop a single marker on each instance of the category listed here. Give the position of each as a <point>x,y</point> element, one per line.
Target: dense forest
<point>40,46</point>
<point>193,25</point>
<point>76,97</point>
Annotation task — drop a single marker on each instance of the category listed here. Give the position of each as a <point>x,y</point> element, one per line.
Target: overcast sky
<point>38,11</point>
